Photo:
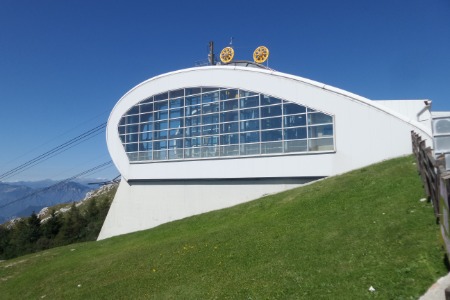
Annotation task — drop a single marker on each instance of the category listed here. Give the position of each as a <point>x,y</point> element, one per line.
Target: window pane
<point>211,119</point>
<point>176,143</point>
<point>271,123</point>
<point>232,150</point>
<point>161,105</point>
<point>442,144</point>
<point>250,137</point>
<point>273,147</point>
<point>229,105</point>
<point>143,156</point>
<point>159,145</point>
<point>209,89</point>
<point>193,121</point>
<point>193,100</point>
<point>210,151</point>
<point>229,127</point>
<point>249,125</point>
<point>291,121</point>
<point>161,115</point>
<point>266,100</point>
<point>176,133</point>
<point>146,108</point>
<point>321,144</point>
<point>175,153</point>
<point>132,128</point>
<point>146,127</point>
<point>296,146</point>
<point>146,136</point>
<point>176,113</point>
<point>193,131</point>
<point>271,135</point>
<point>441,126</point>
<point>148,146</point>
<point>121,129</point>
<point>228,139</point>
<point>210,107</point>
<point>193,110</point>
<point>210,129</point>
<point>131,147</point>
<point>162,96</point>
<point>319,118</point>
<point>228,94</point>
<point>160,135</point>
<point>133,156</point>
<point>210,97</point>
<point>177,93</point>
<point>229,116</point>
<point>192,152</point>
<point>148,100</point>
<point>191,91</point>
<point>133,111</point>
<point>147,117</point>
<point>252,113</point>
<point>249,102</point>
<point>292,108</point>
<point>320,131</point>
<point>250,149</point>
<point>244,93</point>
<point>132,119</point>
<point>210,140</point>
<point>271,111</point>
<point>176,123</point>
<point>295,133</point>
<point>129,138</point>
<point>176,103</point>
<point>192,142</point>
<point>160,155</point>
<point>161,125</point>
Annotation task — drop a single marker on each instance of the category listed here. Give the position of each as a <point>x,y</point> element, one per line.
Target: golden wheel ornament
<point>261,54</point>
<point>226,55</point>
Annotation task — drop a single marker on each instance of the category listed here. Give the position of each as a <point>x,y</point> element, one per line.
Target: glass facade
<point>211,122</point>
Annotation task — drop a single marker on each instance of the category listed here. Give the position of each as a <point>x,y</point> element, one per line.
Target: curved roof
<point>285,86</point>
<point>322,86</point>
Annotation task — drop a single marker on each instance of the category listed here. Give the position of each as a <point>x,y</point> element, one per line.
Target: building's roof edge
<point>303,80</point>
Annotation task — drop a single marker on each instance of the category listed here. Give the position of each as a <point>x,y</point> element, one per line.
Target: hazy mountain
<point>48,182</point>
<point>22,199</point>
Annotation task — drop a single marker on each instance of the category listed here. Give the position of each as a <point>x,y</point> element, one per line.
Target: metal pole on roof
<point>211,58</point>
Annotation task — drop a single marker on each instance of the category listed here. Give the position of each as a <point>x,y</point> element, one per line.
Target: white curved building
<point>206,138</point>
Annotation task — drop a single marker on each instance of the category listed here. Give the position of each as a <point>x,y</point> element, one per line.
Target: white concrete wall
<point>413,110</point>
<point>145,205</point>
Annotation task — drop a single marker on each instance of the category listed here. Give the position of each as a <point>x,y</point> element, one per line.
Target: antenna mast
<point>211,58</point>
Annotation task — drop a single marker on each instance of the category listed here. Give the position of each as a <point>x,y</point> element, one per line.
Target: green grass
<point>329,240</point>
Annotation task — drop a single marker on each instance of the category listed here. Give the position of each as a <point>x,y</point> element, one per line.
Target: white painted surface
<point>414,110</point>
<point>146,205</point>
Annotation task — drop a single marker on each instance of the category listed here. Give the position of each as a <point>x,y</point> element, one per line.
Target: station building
<point>206,138</point>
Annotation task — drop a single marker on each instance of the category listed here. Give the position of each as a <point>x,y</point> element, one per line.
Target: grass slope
<point>331,239</point>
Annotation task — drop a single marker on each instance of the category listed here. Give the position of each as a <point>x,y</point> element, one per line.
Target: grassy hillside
<point>329,240</point>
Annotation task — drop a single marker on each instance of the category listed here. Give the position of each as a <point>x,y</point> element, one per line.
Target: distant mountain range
<point>22,198</point>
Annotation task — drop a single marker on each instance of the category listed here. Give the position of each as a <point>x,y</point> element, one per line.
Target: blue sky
<point>64,64</point>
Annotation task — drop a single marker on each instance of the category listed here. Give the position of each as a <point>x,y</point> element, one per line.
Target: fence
<point>436,181</point>
<point>429,170</point>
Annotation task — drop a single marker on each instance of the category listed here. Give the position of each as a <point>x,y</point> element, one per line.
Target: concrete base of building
<point>141,205</point>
